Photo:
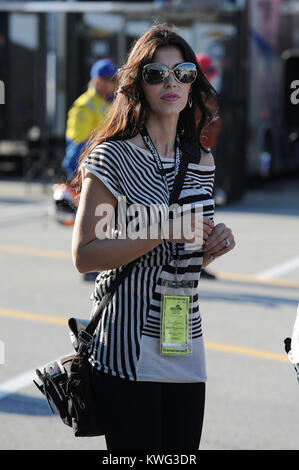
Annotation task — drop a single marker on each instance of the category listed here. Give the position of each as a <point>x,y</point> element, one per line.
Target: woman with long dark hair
<point>148,353</point>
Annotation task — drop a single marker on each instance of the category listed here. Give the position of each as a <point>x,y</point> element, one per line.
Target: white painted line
<point>280,269</point>
<point>21,381</point>
<point>16,383</point>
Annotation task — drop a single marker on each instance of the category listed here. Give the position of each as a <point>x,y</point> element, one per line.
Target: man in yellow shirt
<point>88,112</point>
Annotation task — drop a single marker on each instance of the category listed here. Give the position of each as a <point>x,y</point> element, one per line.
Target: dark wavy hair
<point>129,110</point>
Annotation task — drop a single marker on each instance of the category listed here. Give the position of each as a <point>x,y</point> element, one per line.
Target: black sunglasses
<point>153,74</point>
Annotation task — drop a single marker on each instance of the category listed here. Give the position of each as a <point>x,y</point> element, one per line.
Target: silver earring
<point>190,100</point>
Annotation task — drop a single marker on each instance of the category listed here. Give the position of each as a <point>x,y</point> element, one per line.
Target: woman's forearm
<point>100,255</point>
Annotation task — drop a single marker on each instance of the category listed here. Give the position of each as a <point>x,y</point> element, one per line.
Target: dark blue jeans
<point>149,415</point>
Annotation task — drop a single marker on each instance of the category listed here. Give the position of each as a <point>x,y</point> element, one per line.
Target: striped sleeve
<point>104,164</point>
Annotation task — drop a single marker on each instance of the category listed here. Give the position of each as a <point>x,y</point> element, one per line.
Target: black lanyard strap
<point>179,164</point>
<point>150,145</point>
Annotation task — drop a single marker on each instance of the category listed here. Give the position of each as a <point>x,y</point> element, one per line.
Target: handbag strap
<point>85,336</point>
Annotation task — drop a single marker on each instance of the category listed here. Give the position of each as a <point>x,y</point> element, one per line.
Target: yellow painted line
<point>256,280</point>
<point>240,350</point>
<point>229,348</point>
<point>5,312</point>
<point>220,274</point>
<point>24,250</point>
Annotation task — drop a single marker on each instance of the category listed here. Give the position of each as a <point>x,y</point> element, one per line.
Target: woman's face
<point>169,97</point>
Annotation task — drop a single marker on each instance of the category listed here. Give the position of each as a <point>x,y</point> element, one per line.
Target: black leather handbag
<point>66,383</point>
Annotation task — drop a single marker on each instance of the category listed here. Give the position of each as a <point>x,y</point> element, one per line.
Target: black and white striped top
<point>127,341</point>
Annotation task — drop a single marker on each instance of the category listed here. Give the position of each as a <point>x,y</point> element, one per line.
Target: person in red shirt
<point>210,133</point>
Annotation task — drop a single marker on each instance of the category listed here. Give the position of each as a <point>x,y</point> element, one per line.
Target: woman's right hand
<point>194,228</point>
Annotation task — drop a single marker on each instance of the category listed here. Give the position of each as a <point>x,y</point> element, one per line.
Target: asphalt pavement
<point>248,310</point>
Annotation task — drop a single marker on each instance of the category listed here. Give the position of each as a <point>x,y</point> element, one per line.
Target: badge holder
<point>176,321</point>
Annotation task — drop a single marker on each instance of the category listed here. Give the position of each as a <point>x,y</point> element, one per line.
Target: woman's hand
<point>220,241</point>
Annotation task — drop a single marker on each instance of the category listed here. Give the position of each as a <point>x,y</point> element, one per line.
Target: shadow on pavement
<point>275,197</point>
<point>25,405</point>
<point>234,297</point>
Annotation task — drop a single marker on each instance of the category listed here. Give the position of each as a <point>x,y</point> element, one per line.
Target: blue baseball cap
<point>103,68</point>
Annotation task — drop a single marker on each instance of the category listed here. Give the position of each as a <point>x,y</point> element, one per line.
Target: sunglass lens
<point>154,74</point>
<point>186,73</point>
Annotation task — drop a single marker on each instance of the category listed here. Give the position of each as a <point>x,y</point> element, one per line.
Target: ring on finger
<point>211,257</point>
<point>227,242</point>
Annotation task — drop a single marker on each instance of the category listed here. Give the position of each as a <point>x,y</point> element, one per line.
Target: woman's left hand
<point>219,242</point>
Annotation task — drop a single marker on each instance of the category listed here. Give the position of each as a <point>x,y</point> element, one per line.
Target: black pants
<point>150,415</point>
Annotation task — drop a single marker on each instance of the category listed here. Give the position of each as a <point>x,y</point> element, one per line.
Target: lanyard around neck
<point>148,142</point>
